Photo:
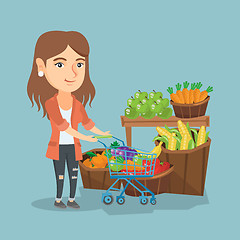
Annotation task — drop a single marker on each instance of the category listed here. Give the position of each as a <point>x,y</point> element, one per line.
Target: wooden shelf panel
<point>171,122</point>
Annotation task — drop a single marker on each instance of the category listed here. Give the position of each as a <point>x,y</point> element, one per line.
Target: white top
<point>64,137</point>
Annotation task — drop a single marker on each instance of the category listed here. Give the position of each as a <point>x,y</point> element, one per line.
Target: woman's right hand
<point>80,136</point>
<point>91,138</point>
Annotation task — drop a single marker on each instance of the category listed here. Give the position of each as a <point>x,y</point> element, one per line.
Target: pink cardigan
<point>58,124</point>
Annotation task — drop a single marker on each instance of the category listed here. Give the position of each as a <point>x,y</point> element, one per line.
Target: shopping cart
<point>126,164</point>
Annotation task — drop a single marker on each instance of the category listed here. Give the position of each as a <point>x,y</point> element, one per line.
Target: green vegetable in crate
<point>189,130</point>
<point>108,153</point>
<point>140,95</point>
<point>196,135</point>
<point>163,139</point>
<point>173,130</point>
<point>155,95</point>
<point>142,108</point>
<point>165,102</point>
<point>148,107</point>
<point>131,113</point>
<point>116,164</point>
<point>191,144</point>
<point>148,115</point>
<point>149,102</point>
<point>139,158</point>
<point>156,108</point>
<point>91,154</point>
<point>166,113</point>
<point>182,139</point>
<point>159,101</point>
<point>115,144</point>
<point>131,102</point>
<point>171,143</point>
<point>144,101</point>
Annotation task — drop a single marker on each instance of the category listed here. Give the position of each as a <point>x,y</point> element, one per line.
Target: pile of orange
<point>99,161</point>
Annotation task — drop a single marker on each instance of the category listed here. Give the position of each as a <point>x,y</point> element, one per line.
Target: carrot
<point>197,92</point>
<point>185,92</point>
<point>191,93</point>
<point>179,92</point>
<point>204,93</point>
<point>173,96</point>
<point>131,166</point>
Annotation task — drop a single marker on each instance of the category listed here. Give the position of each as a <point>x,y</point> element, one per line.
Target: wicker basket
<point>96,178</point>
<point>158,184</point>
<point>190,110</point>
<point>190,168</point>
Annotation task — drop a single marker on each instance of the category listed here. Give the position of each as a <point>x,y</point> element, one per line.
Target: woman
<point>60,84</point>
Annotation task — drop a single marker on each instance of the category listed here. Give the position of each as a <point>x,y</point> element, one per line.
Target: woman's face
<point>65,71</point>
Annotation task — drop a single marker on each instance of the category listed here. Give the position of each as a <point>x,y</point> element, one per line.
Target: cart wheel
<point>143,201</point>
<point>121,201</point>
<point>108,199</point>
<point>153,202</point>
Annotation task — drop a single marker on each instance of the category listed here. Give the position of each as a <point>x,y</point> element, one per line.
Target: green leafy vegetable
<point>191,144</point>
<point>120,159</point>
<point>164,139</point>
<point>91,154</point>
<point>115,145</point>
<point>108,153</point>
<point>114,166</point>
<point>156,138</point>
<point>166,113</point>
<point>139,158</point>
<point>195,134</point>
<point>167,128</point>
<point>178,142</point>
<point>173,130</point>
<point>206,138</point>
<point>188,128</point>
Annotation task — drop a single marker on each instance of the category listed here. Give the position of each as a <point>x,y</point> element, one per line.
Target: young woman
<point>60,84</point>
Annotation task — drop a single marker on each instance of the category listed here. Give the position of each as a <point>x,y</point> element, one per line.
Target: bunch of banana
<point>156,150</point>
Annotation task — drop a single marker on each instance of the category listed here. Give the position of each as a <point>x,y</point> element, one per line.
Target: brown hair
<point>49,45</point>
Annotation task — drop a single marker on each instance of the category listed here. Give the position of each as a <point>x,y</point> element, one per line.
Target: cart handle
<point>103,136</point>
<point>108,136</point>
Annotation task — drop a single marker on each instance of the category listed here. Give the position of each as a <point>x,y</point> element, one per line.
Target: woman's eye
<point>79,65</point>
<point>59,65</point>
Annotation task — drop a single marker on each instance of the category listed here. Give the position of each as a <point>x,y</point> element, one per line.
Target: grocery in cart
<point>126,164</point>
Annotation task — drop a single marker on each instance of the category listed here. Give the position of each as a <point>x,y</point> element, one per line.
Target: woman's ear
<point>40,65</point>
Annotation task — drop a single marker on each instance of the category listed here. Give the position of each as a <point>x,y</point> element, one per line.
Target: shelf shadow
<point>90,200</point>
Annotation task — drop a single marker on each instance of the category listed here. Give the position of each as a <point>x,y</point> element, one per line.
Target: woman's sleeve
<point>54,113</point>
<point>87,123</point>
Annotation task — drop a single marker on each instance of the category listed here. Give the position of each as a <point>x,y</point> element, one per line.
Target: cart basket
<point>128,162</point>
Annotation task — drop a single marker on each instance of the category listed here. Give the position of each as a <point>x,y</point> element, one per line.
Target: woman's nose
<point>73,72</point>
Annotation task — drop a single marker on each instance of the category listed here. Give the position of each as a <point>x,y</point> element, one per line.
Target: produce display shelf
<point>157,121</point>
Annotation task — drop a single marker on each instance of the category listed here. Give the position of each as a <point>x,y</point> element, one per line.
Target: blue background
<point>134,45</point>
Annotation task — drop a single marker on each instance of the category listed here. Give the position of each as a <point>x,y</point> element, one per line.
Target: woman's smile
<point>69,81</point>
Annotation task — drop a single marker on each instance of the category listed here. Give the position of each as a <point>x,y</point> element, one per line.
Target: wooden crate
<point>190,167</point>
<point>96,178</point>
<point>157,184</point>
